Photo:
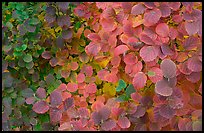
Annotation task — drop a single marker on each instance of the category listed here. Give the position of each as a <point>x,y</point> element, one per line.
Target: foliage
<point>110,66</point>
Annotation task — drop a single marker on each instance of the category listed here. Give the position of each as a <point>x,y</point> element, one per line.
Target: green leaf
<point>24,47</point>
<point>28,58</point>
<point>129,90</point>
<point>20,6</point>
<point>121,85</point>
<point>151,73</point>
<point>77,25</point>
<point>29,65</point>
<point>122,98</point>
<point>34,21</point>
<point>44,118</point>
<point>17,54</point>
<point>37,127</point>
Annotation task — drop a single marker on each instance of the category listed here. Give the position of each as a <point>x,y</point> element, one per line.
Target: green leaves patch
<point>28,58</point>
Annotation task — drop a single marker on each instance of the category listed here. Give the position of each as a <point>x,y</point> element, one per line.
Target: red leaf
<point>173,33</point>
<point>162,29</point>
<point>163,89</point>
<point>124,122</point>
<point>148,53</point>
<point>139,80</point>
<point>146,39</point>
<point>120,50</point>
<point>109,13</point>
<point>168,68</point>
<point>191,43</point>
<point>69,102</point>
<point>94,37</point>
<point>174,5</point>
<point>40,107</point>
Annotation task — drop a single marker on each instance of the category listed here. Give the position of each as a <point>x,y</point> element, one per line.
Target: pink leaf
<point>162,29</point>
<point>91,88</point>
<point>40,107</point>
<point>139,80</point>
<point>130,58</point>
<point>124,122</point>
<point>46,55</point>
<point>41,93</point>
<point>148,53</point>
<point>55,98</point>
<point>138,9</point>
<point>194,64</point>
<point>72,87</point>
<point>152,17</point>
<point>120,50</point>
<point>80,78</point>
<point>158,74</point>
<point>163,89</point>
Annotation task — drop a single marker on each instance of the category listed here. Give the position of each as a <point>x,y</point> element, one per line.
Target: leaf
<point>129,90</point>
<point>168,68</point>
<point>80,78</point>
<point>108,125</point>
<point>40,107</point>
<point>72,87</point>
<point>121,85</point>
<point>122,98</point>
<point>109,89</point>
<point>67,34</point>
<point>165,10</point>
<point>197,126</point>
<point>55,115</point>
<point>138,9</point>
<point>152,17</point>
<point>155,74</point>
<point>151,73</point>
<point>74,66</point>
<point>139,80</point>
<point>91,88</point>
<point>34,21</point>
<point>27,58</point>
<point>192,27</point>
<point>166,111</point>
<point>148,53</point>
<point>41,93</point>
<point>27,92</point>
<point>46,54</point>
<point>124,122</point>
<point>92,48</point>
<point>120,50</point>
<point>69,102</point>
<point>55,98</point>
<point>194,64</point>
<point>162,30</point>
<point>162,88</point>
<point>130,58</point>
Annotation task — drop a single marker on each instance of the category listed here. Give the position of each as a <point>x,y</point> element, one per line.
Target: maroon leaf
<point>55,115</point>
<point>68,103</point>
<point>166,111</point>
<point>40,107</point>
<point>55,98</point>
<point>108,125</point>
<point>41,93</point>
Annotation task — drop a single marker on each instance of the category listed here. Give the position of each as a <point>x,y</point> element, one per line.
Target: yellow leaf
<point>185,37</point>
<point>104,62</point>
<point>58,29</point>
<point>109,89</point>
<point>52,32</point>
